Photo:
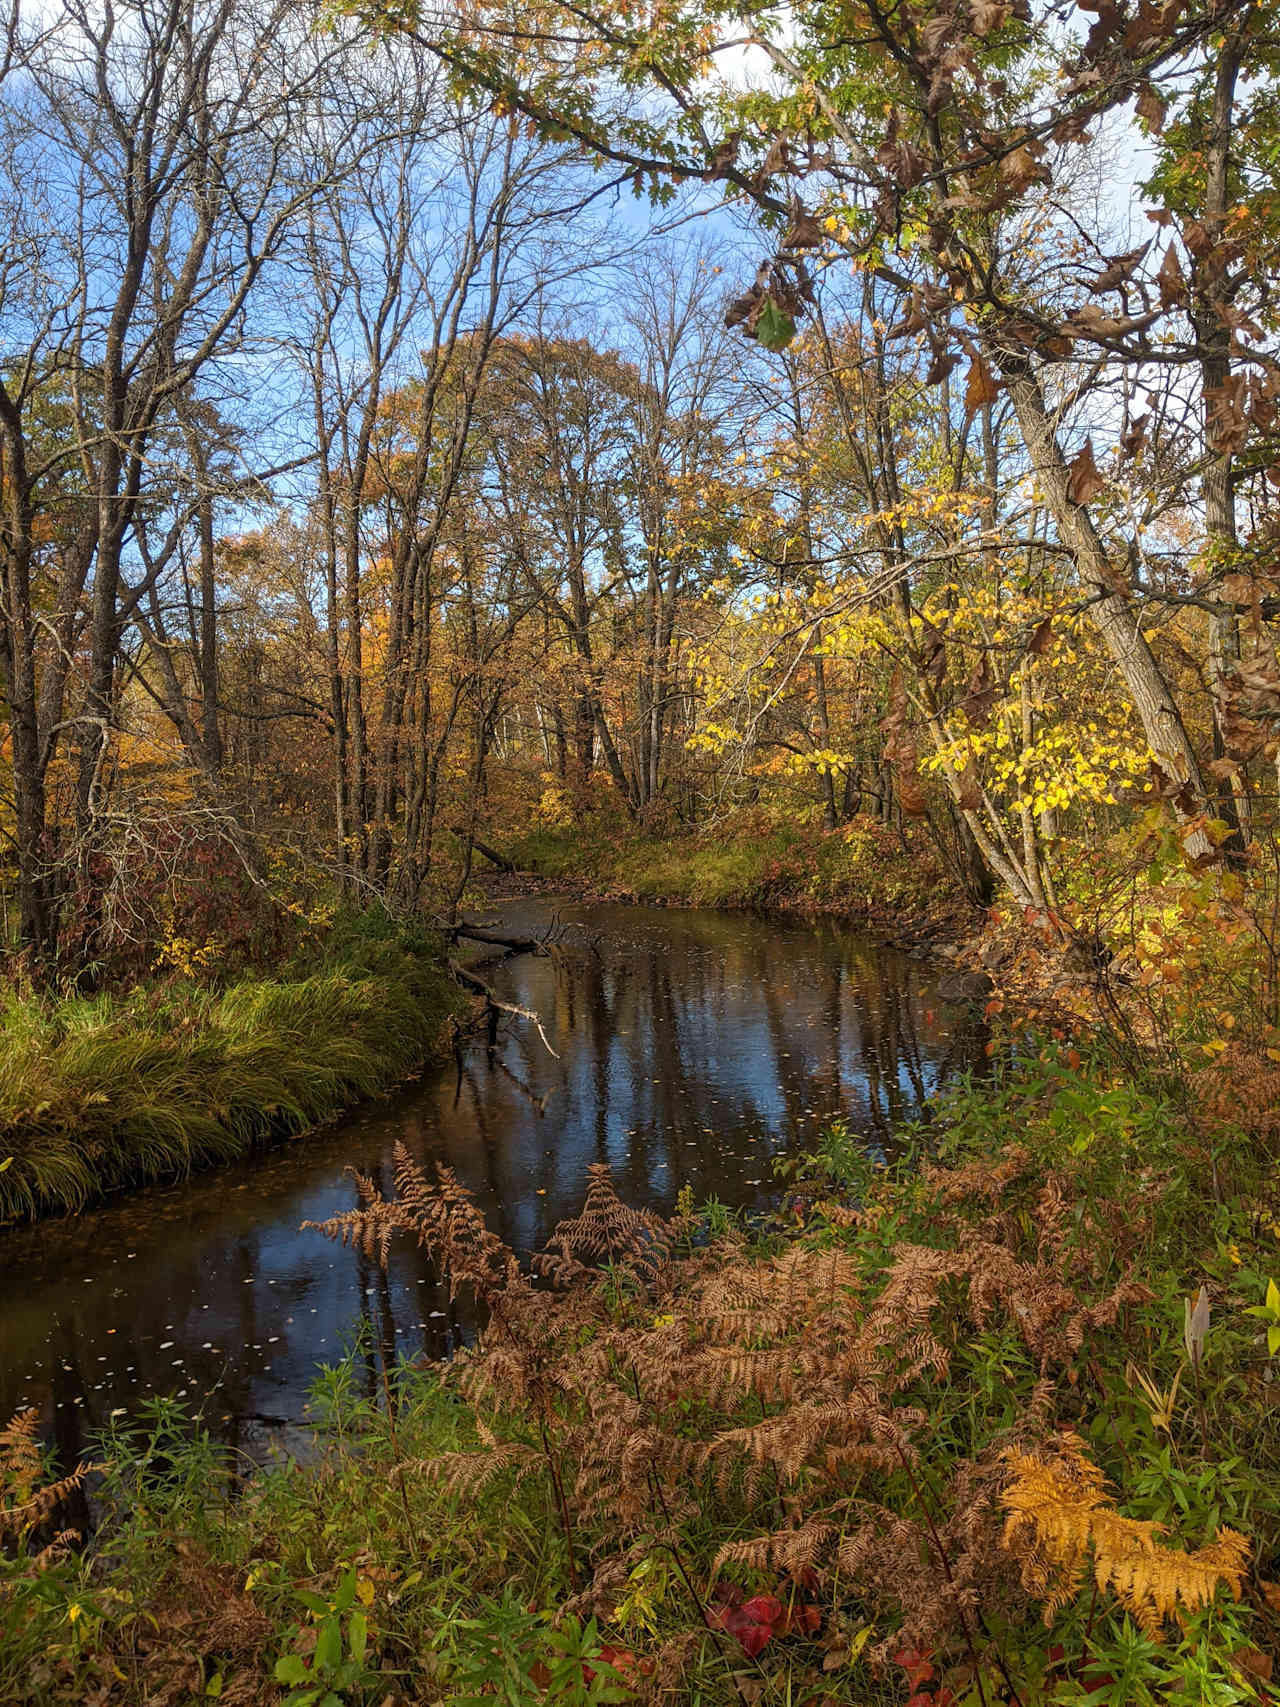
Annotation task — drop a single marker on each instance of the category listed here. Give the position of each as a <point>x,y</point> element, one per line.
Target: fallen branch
<point>496,1004</point>
<point>514,944</point>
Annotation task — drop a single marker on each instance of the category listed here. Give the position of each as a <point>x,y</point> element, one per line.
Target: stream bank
<point>889,883</point>
<point>99,1094</point>
<point>693,1049</point>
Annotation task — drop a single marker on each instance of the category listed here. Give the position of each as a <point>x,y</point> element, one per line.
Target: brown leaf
<point>911,797</point>
<point>980,387</point>
<point>987,15</point>
<point>1255,1662</point>
<point>914,318</point>
<point>1171,280</point>
<point>805,231</point>
<point>944,362</point>
<point>969,790</point>
<point>1084,481</point>
<point>1042,639</point>
<point>1020,169</point>
<point>981,693</point>
<point>724,154</point>
<point>931,659</point>
<point>1135,435</point>
<point>1095,322</point>
<point>936,34</point>
<point>1226,423</point>
<point>1120,268</point>
<point>1150,108</point>
<point>894,722</point>
<point>1197,239</point>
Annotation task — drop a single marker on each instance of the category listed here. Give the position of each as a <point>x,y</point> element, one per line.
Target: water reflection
<point>693,1047</point>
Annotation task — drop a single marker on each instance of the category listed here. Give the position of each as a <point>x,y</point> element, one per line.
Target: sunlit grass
<point>104,1092</point>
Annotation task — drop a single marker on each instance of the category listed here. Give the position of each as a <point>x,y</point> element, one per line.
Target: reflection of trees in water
<point>688,1049</point>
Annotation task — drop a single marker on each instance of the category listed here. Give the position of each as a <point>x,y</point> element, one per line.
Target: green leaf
<point>328,1645</point>
<point>346,1592</point>
<point>213,1688</point>
<point>291,1668</point>
<point>774,329</point>
<point>358,1636</point>
<point>314,1603</point>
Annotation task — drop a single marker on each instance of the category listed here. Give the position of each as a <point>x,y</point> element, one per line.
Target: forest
<point>473,474</point>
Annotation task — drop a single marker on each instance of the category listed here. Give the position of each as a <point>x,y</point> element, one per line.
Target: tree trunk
<point>1112,612</point>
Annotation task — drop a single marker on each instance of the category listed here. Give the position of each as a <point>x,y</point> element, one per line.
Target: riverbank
<point>995,1425</point>
<point>891,883</point>
<point>119,1090</point>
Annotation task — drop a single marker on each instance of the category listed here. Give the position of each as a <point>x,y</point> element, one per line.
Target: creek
<point>693,1048</point>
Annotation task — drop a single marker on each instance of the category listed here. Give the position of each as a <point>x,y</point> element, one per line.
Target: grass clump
<point>989,1427</point>
<point>98,1093</point>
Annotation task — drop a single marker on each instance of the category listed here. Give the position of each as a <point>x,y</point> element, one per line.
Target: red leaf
<point>916,1665</point>
<point>763,1609</point>
<point>754,1638</point>
<point>623,1661</point>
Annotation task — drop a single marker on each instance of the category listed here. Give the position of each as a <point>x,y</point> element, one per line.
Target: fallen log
<point>481,933</point>
<point>491,854</point>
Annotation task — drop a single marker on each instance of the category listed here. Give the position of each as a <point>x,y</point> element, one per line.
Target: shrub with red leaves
<point>757,1621</point>
<point>922,1680</point>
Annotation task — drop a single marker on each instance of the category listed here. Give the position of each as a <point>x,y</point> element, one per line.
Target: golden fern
<point>1059,1513</point>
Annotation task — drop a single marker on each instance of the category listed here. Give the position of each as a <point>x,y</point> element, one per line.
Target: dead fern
<point>1060,1518</point>
<point>797,1391</point>
<point>27,1499</point>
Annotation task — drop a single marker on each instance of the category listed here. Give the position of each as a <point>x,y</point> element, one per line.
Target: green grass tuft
<point>106,1092</point>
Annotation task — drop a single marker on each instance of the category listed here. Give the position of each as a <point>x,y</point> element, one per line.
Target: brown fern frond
<point>468,1472</point>
<point>446,1222</point>
<point>606,1230</point>
<point>368,1229</point>
<point>26,1499</point>
<point>21,1461</point>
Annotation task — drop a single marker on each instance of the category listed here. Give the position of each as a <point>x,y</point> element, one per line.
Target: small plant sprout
<point>1270,1314</point>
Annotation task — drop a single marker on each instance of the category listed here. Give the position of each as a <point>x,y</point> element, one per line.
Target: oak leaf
<point>1084,480</point>
<point>1171,280</point>
<point>1150,108</point>
<point>980,388</point>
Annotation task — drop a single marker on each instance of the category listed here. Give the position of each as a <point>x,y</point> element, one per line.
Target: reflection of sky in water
<point>693,1047</point>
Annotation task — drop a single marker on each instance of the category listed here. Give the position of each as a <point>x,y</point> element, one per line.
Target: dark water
<point>693,1048</point>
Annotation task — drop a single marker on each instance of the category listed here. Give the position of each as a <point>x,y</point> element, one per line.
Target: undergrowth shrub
<point>990,1426</point>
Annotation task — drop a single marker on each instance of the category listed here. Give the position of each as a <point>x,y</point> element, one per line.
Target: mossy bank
<point>896,883</point>
<point>120,1090</point>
